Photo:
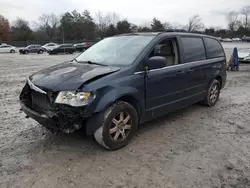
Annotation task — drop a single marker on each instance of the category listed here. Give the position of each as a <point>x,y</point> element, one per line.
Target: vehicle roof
<point>165,34</point>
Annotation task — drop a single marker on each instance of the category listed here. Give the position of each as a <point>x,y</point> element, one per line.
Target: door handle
<point>191,70</point>
<point>180,72</point>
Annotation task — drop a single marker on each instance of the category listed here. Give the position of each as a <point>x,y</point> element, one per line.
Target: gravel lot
<point>197,147</point>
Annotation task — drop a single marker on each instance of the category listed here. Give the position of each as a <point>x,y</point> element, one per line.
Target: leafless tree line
<point>239,19</point>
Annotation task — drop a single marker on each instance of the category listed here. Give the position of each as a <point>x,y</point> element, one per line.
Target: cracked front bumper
<point>42,119</point>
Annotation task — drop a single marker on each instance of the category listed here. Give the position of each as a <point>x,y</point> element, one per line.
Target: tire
<point>26,52</point>
<point>40,52</point>
<point>213,93</point>
<point>12,51</point>
<point>115,133</point>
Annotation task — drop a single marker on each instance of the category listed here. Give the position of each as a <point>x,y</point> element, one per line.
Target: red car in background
<point>87,45</point>
<point>83,46</point>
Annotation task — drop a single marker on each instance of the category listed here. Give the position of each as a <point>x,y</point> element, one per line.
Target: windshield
<point>120,50</point>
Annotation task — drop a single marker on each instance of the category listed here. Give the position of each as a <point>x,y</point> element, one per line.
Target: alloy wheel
<point>120,126</point>
<point>214,93</point>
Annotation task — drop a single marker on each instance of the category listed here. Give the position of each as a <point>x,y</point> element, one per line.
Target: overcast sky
<point>136,11</point>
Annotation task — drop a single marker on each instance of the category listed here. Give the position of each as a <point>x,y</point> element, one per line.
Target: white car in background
<point>49,46</point>
<point>244,55</point>
<point>227,40</point>
<point>236,39</point>
<point>7,48</point>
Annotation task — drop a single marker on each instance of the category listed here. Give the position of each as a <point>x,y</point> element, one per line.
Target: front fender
<point>114,94</point>
<point>96,120</point>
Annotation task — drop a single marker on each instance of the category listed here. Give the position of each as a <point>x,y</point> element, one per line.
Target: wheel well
<point>131,100</point>
<point>219,79</point>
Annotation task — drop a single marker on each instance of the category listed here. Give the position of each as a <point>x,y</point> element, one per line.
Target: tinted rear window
<point>194,49</point>
<point>214,48</point>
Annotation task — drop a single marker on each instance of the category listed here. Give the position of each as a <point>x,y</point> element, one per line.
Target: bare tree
<point>233,21</point>
<point>48,23</point>
<point>177,26</point>
<point>195,23</point>
<point>21,30</point>
<point>245,11</point>
<point>104,21</point>
<point>167,25</point>
<point>113,18</point>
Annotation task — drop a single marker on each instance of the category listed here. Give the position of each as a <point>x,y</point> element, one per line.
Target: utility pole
<point>62,31</point>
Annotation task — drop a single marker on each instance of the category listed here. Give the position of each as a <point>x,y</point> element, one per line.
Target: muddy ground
<point>197,147</point>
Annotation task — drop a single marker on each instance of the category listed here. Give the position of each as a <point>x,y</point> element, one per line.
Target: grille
<point>39,101</point>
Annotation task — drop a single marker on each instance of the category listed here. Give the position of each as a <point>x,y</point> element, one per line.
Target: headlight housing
<point>73,98</point>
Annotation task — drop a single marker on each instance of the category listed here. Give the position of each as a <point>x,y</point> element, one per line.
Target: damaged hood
<point>69,76</point>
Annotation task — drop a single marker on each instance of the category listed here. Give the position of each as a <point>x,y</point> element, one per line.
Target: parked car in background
<point>236,39</point>
<point>227,40</point>
<point>7,48</point>
<point>246,38</point>
<point>88,45</point>
<point>32,49</point>
<point>79,47</point>
<point>50,46</point>
<point>63,48</point>
<point>83,46</point>
<point>125,80</point>
<point>219,38</point>
<point>244,55</point>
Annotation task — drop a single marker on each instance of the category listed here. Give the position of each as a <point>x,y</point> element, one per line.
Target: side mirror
<point>156,62</point>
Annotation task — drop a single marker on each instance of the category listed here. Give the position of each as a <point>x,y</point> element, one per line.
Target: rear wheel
<point>213,93</point>
<point>119,126</point>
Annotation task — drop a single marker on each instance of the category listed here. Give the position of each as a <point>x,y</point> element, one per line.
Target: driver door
<point>165,87</point>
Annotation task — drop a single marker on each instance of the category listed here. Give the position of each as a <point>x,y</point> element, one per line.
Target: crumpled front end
<point>39,105</point>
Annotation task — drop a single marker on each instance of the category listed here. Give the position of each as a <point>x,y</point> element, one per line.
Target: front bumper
<point>246,59</point>
<point>42,119</point>
<point>39,105</point>
<point>62,121</point>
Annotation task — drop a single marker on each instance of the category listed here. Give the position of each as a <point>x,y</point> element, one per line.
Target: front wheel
<point>12,51</point>
<point>40,52</point>
<point>119,126</point>
<point>213,93</point>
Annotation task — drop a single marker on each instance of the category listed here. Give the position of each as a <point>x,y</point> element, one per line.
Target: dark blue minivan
<point>125,80</point>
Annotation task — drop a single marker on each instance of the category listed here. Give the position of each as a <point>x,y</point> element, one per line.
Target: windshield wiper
<point>89,62</point>
<point>75,60</point>
<point>93,63</point>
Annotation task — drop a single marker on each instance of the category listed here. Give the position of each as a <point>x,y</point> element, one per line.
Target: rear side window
<point>214,48</point>
<point>194,49</point>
